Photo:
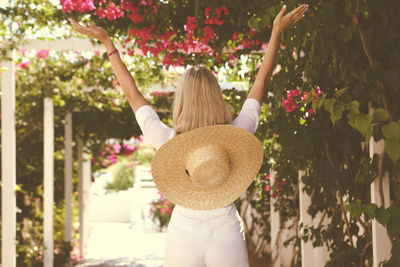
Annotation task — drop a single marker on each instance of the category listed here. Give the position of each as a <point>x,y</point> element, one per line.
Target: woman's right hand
<point>92,31</point>
<point>283,21</point>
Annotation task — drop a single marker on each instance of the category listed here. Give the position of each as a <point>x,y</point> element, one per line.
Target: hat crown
<point>208,166</point>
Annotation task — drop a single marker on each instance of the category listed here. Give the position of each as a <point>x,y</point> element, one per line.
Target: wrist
<point>108,44</point>
<point>276,33</point>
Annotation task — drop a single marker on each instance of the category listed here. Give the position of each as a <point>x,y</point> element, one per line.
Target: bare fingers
<point>297,14</point>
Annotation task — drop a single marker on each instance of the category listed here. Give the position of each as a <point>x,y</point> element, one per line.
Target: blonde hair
<point>198,101</point>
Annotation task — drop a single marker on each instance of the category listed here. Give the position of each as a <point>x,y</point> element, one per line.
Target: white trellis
<point>8,242</point>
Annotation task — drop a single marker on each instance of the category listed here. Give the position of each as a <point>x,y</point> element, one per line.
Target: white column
<point>306,220</point>
<point>68,179</point>
<point>83,187</point>
<point>381,245</point>
<point>8,166</point>
<point>48,180</point>
<point>275,226</point>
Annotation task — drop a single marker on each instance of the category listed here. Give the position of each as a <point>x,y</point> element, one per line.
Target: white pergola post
<point>83,187</point>
<point>8,167</point>
<point>381,245</point>
<point>275,226</point>
<point>68,179</point>
<point>48,180</point>
<point>306,220</point>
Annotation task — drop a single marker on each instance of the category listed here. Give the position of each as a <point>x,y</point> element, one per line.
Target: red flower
<point>208,34</point>
<point>252,32</point>
<point>235,36</point>
<point>207,11</point>
<point>136,18</point>
<point>190,25</point>
<point>267,188</point>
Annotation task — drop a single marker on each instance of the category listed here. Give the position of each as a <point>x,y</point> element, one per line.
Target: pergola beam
<point>61,44</point>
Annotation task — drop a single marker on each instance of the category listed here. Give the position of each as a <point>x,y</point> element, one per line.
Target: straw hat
<point>208,167</point>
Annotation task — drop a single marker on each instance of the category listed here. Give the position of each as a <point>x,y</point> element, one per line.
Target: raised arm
<point>264,73</point>
<point>125,79</point>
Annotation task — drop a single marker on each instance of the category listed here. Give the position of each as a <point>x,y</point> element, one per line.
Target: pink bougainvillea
<point>291,102</point>
<point>77,5</point>
<point>276,189</point>
<point>23,65</point>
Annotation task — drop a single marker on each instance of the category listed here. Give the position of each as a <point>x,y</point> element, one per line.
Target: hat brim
<point>168,166</point>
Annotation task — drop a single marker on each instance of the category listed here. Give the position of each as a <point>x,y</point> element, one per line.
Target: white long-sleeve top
<point>157,133</point>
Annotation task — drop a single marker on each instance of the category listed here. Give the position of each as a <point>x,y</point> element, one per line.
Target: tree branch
<point>370,59</point>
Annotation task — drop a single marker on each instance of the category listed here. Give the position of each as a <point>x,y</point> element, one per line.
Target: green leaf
<point>382,215</point>
<point>380,115</point>
<point>253,22</point>
<point>392,148</point>
<point>340,92</point>
<point>352,119</point>
<point>337,112</point>
<point>265,20</point>
<point>329,104</point>
<point>353,107</point>
<point>362,123</point>
<point>369,209</point>
<point>391,131</point>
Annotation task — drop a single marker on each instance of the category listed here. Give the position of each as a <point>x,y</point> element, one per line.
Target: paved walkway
<point>121,232</point>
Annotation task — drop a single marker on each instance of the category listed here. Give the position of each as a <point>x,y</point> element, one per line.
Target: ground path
<point>121,232</point>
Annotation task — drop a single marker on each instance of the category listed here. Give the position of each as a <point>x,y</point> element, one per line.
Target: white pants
<point>212,238</point>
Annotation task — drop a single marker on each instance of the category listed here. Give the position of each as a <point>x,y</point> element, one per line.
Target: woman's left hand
<point>282,22</point>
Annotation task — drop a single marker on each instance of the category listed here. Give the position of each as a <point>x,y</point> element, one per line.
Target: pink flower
<point>292,93</point>
<point>318,90</point>
<point>268,177</point>
<point>78,5</point>
<point>305,95</point>
<point>23,65</point>
<point>141,138</point>
<point>310,111</point>
<point>267,188</point>
<point>117,148</point>
<point>294,55</point>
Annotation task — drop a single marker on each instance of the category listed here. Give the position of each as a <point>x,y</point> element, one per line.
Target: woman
<point>198,102</point>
